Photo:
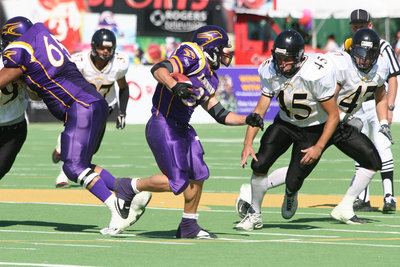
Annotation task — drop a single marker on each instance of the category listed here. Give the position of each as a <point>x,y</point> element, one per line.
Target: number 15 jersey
<point>299,95</point>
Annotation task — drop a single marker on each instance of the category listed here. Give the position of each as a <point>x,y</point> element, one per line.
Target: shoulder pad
<point>122,60</point>
<point>316,67</point>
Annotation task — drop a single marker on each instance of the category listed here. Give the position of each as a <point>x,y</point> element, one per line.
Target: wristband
<point>382,122</point>
<point>341,116</point>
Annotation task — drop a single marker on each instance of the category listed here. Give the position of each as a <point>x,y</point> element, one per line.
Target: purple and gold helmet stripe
<point>209,36</point>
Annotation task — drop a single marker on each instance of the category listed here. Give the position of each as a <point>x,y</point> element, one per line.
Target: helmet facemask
<point>216,56</point>
<point>283,58</point>
<point>103,40</point>
<point>364,57</point>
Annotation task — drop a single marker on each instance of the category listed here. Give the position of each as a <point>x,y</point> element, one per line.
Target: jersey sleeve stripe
<point>325,98</point>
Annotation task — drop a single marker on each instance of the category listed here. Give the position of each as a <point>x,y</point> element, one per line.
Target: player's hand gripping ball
<point>184,87</point>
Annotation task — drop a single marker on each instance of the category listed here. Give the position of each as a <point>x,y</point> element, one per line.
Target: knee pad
<point>258,167</point>
<point>86,177</point>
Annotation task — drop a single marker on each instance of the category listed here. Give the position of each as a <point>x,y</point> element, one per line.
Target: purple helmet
<point>13,29</point>
<point>213,39</point>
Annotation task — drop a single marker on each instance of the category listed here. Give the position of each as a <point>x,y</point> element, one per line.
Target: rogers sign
<point>178,20</point>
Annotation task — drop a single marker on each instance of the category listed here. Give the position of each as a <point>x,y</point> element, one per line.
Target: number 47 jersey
<point>356,86</point>
<point>299,96</point>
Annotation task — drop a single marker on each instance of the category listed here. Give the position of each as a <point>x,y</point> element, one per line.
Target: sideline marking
<point>166,200</point>
<point>40,264</point>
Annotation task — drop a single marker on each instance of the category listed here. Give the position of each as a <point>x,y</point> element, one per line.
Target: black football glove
<point>385,129</point>
<point>255,120</point>
<point>354,122</point>
<point>181,90</point>
<point>120,122</point>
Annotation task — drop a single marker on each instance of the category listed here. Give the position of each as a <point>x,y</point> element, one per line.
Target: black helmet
<point>213,39</point>
<point>13,29</point>
<point>288,43</point>
<point>364,49</point>
<point>103,37</point>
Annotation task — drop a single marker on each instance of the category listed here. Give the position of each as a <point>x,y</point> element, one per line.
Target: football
<point>181,78</point>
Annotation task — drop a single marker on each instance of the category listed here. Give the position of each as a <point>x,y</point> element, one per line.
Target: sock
<point>258,189</point>
<point>387,182</point>
<point>133,183</point>
<point>194,216</point>
<point>123,189</point>
<point>108,179</point>
<point>61,178</point>
<point>100,190</point>
<point>360,182</point>
<point>277,178</point>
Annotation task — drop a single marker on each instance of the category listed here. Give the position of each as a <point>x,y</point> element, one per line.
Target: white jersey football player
<point>304,86</point>
<point>13,130</point>
<point>360,18</point>
<point>358,78</point>
<point>102,67</point>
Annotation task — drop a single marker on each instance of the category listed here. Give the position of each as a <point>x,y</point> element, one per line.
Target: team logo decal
<point>9,29</point>
<point>209,36</point>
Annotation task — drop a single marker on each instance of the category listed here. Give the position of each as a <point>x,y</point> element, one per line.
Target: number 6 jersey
<point>299,95</point>
<point>48,71</point>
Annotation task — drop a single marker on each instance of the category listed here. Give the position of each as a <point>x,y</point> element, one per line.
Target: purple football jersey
<point>191,62</point>
<point>48,71</point>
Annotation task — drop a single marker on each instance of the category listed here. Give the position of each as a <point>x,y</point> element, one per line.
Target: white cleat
<point>138,206</point>
<point>119,217</point>
<point>289,206</point>
<point>126,213</point>
<point>243,201</point>
<point>345,215</point>
<point>250,222</point>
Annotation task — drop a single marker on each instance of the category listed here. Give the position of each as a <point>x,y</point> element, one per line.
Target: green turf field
<point>34,232</point>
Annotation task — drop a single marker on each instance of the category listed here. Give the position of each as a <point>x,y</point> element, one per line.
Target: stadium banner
<point>238,91</point>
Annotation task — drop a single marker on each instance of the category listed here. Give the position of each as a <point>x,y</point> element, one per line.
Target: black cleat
<point>355,220</point>
<point>389,204</point>
<point>62,185</point>
<point>360,205</point>
<point>55,156</point>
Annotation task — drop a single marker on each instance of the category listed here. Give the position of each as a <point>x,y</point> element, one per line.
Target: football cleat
<point>55,156</point>
<point>250,222</point>
<point>119,217</point>
<point>389,204</point>
<point>360,205</point>
<point>243,201</point>
<point>203,234</point>
<point>62,185</point>
<point>345,215</point>
<point>138,206</point>
<point>289,206</point>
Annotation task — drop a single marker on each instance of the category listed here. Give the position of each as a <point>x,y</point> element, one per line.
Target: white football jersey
<point>356,86</point>
<point>103,79</point>
<point>299,96</point>
<point>13,102</point>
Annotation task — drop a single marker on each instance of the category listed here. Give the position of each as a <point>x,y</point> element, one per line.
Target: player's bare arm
<point>314,152</point>
<point>231,117</point>
<point>261,108</point>
<point>9,74</point>
<point>163,75</point>
<point>381,103</point>
<point>391,96</point>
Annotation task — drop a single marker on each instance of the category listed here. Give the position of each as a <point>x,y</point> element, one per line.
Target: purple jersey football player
<point>174,143</point>
<point>32,53</point>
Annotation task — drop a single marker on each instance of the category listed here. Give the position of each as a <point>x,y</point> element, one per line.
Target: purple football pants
<point>177,150</point>
<point>81,136</point>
